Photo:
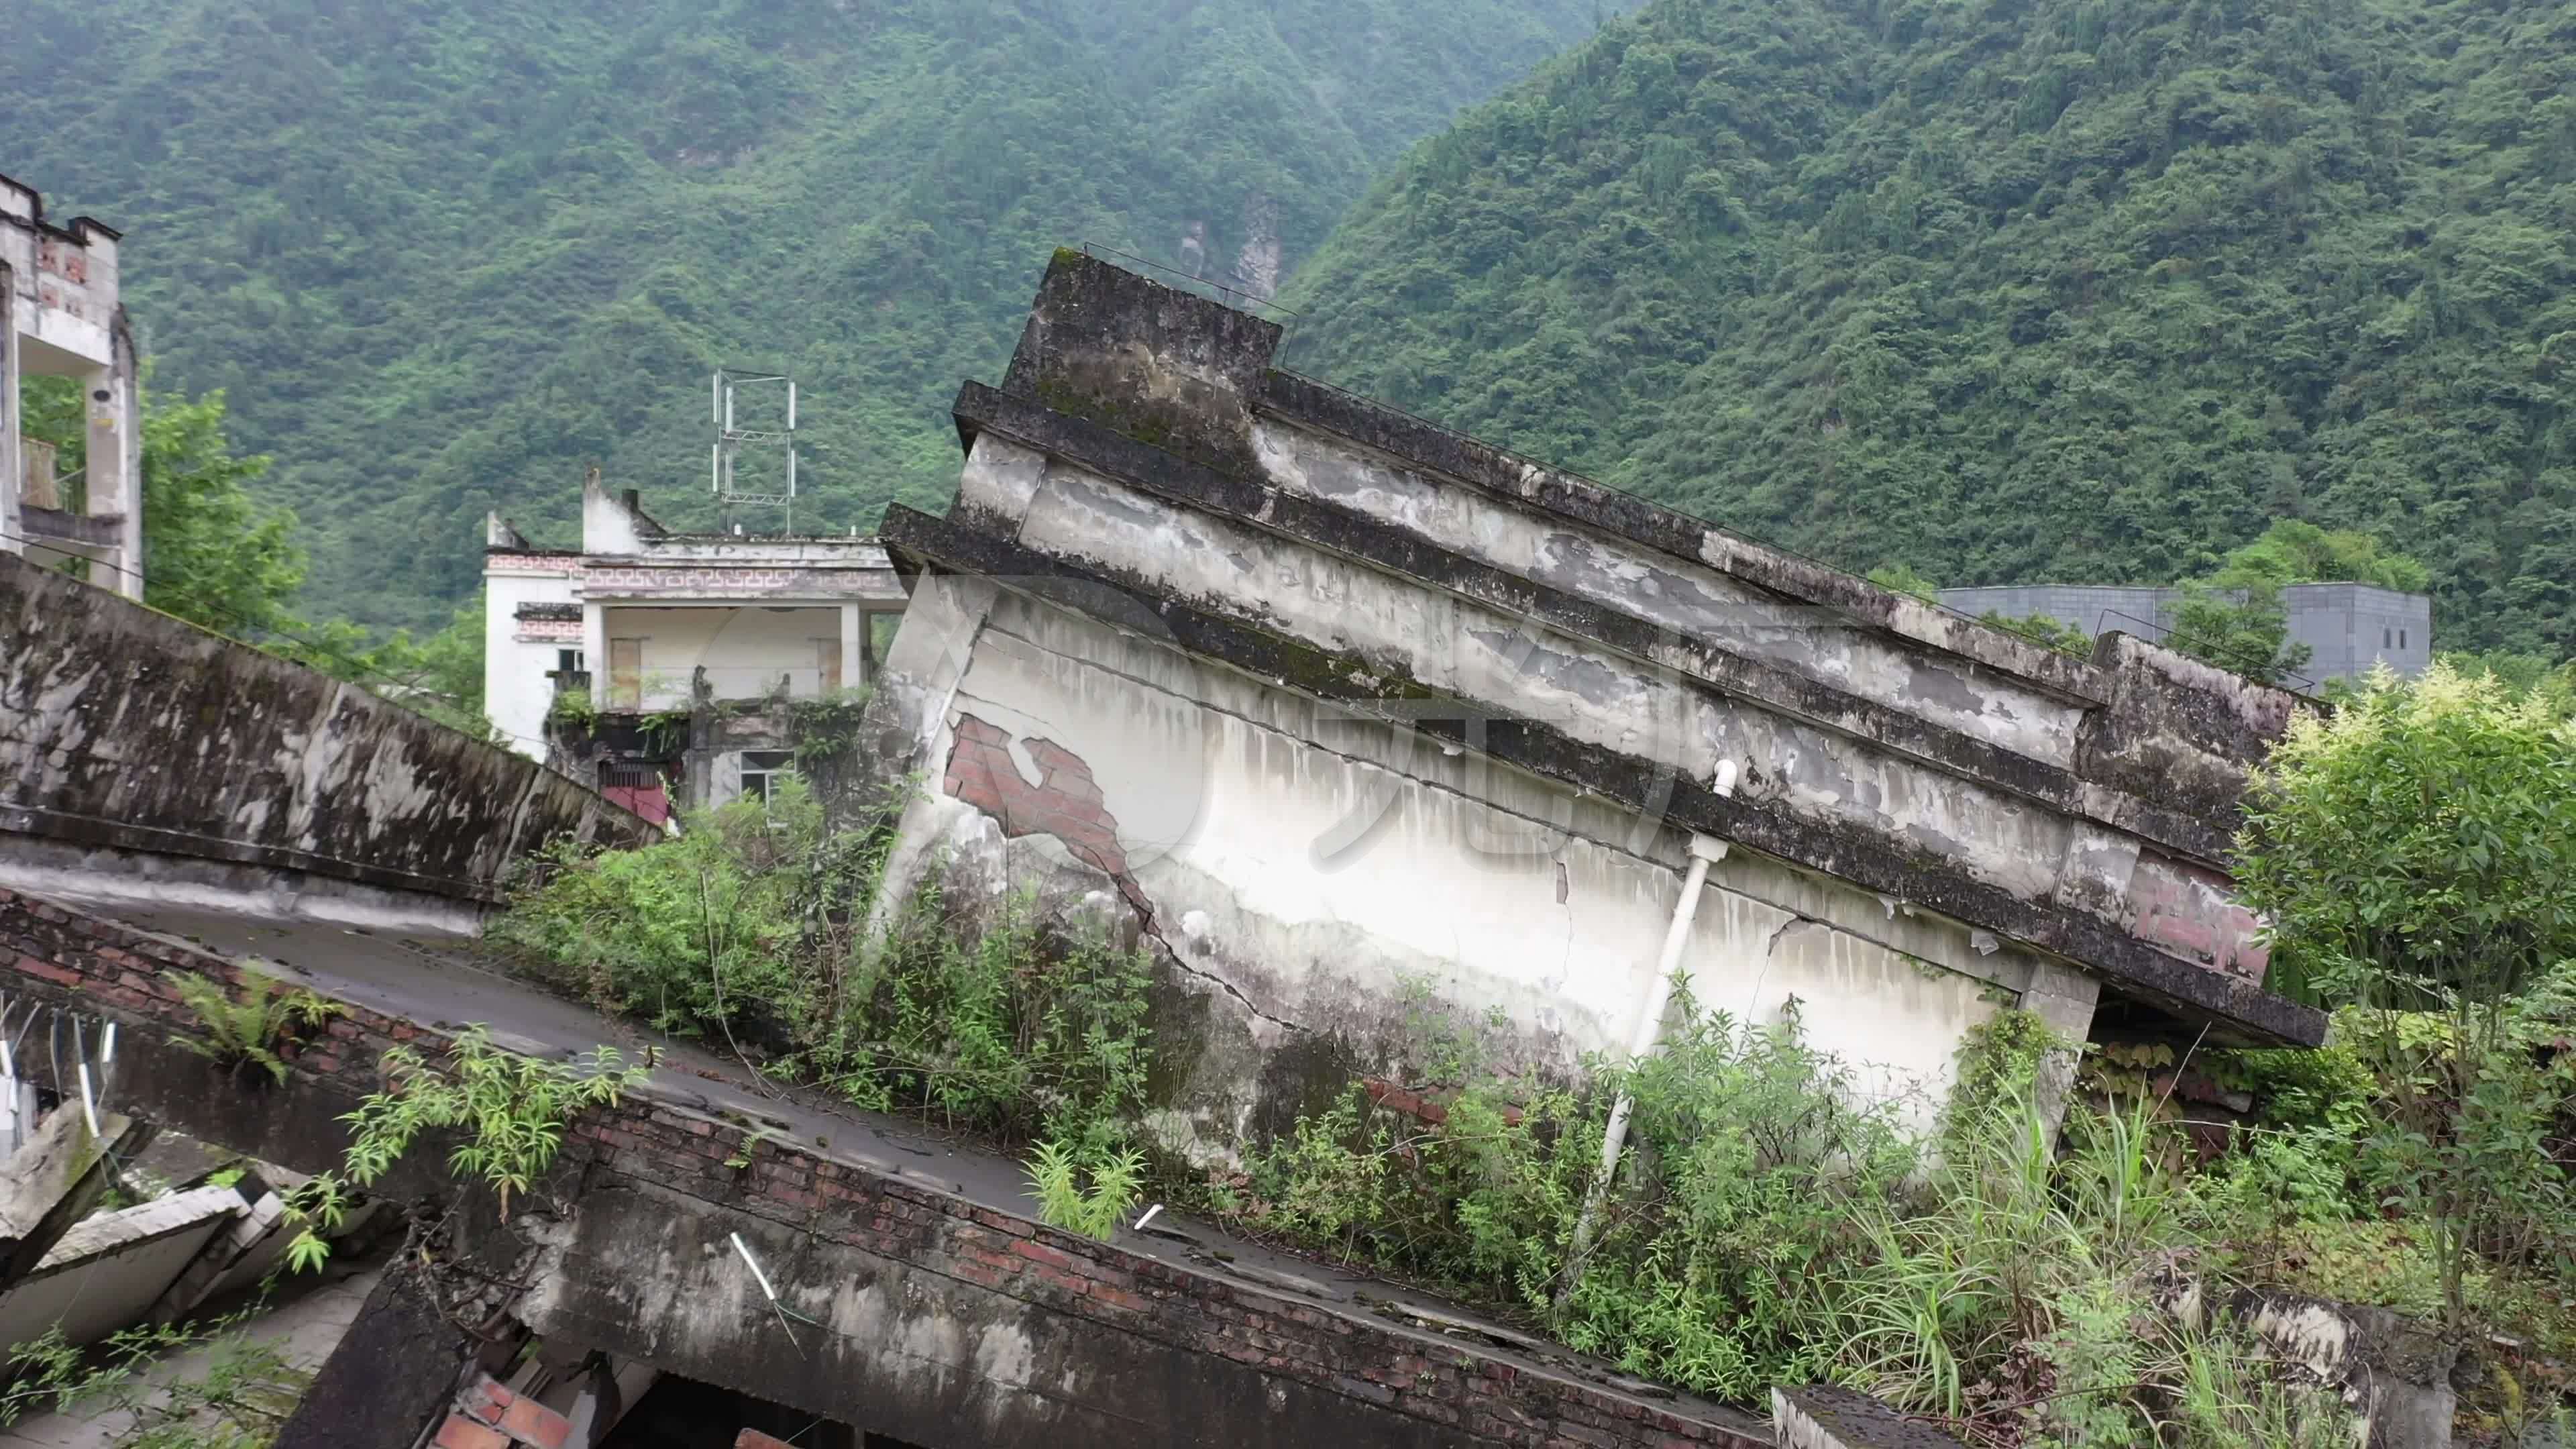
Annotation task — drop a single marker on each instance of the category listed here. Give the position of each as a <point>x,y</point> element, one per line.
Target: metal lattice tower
<point>753,463</point>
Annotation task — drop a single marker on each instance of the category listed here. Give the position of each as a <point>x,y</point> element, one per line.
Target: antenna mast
<point>754,462</point>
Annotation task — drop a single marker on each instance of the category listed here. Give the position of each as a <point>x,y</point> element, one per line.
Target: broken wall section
<point>196,765</point>
<point>1342,713</point>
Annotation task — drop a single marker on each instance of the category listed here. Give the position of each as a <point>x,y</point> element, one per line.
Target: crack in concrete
<point>1134,895</point>
<point>1145,922</point>
<point>1771,947</point>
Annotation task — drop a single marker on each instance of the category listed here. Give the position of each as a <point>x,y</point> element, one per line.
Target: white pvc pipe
<point>1650,1029</point>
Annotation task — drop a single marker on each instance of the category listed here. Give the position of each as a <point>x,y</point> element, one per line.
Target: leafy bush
<point>734,920</point>
<point>753,920</point>
<point>2412,854</point>
<point>1089,1194</point>
<point>513,1109</point>
<point>1011,1028</point>
<point>1748,1152</point>
<point>1771,1224</point>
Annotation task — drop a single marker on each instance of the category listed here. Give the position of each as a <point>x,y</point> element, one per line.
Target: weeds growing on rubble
<point>238,1402</point>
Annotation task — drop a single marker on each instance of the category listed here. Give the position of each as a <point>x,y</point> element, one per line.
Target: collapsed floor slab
<point>915,1294</point>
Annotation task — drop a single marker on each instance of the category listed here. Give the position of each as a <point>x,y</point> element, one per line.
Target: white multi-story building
<point>645,627</point>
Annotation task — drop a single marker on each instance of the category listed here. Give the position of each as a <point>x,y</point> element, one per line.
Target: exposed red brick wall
<point>75,959</point>
<point>1065,802</point>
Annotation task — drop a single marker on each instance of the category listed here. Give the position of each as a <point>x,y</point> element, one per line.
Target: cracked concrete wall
<point>1459,649</point>
<point>1684,595</point>
<point>144,737</point>
<point>1309,872</point>
<point>1654,709</point>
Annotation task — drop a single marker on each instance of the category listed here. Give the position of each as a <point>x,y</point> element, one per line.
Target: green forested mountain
<point>2004,290</point>
<point>442,252</point>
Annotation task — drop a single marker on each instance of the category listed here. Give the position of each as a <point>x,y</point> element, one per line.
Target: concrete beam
<point>1825,1417</point>
<point>1703,659</point>
<point>389,1377</point>
<point>57,1178</point>
<point>2237,1009</point>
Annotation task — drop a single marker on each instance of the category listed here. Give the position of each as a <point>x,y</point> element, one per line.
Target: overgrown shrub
<point>1772,1223</point>
<point>1748,1154</point>
<point>741,919</point>
<point>1003,1023</point>
<point>510,1112</point>
<point>750,926</point>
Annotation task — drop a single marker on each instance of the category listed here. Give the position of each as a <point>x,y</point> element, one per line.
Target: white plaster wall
<point>744,649</point>
<point>1317,879</point>
<point>1461,648</point>
<point>517,695</point>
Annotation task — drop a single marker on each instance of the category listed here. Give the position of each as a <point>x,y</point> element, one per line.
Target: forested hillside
<point>2082,290</point>
<point>440,253</point>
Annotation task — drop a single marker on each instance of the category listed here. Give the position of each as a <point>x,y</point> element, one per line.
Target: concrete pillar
<point>2063,998</point>
<point>115,467</point>
<point>594,651</point>
<point>12,467</point>
<point>852,623</point>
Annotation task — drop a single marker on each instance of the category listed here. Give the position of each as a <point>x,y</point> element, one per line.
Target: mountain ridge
<point>442,254</point>
<point>2015,290</point>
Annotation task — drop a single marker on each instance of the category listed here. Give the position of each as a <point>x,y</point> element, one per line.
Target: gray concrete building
<point>2349,628</point>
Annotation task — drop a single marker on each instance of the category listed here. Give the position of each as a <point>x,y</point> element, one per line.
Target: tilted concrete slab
<point>157,760</point>
<point>1328,702</point>
<point>49,1185</point>
<point>939,1310</point>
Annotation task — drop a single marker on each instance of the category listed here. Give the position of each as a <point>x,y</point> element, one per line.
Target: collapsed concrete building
<point>1338,712</point>
<point>708,1252</point>
<point>60,316</point>
<point>1334,703</point>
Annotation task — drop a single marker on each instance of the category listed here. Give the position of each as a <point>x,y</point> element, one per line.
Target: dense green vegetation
<point>440,253</point>
<point>1772,1220</point>
<point>2018,290</point>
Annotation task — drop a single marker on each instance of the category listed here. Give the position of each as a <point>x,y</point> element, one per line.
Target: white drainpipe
<point>1704,849</point>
